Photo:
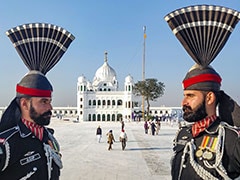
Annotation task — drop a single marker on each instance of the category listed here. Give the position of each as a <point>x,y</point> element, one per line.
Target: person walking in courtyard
<point>123,139</point>
<point>110,139</point>
<point>99,134</point>
<point>158,124</point>
<point>153,127</point>
<point>146,127</point>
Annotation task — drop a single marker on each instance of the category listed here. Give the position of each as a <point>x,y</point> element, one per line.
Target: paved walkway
<point>146,156</point>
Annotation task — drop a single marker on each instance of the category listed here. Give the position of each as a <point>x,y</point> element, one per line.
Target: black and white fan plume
<point>203,30</point>
<point>40,45</point>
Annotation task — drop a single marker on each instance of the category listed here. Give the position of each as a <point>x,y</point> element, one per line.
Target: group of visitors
<point>110,137</point>
<point>152,127</point>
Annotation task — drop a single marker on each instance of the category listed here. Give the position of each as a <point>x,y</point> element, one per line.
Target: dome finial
<point>105,57</point>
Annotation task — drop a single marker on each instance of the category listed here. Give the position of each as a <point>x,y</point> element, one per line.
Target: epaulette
<point>183,135</point>
<point>185,124</point>
<point>230,127</point>
<point>5,135</point>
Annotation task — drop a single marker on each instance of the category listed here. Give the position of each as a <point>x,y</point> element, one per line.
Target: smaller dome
<point>89,85</point>
<point>129,79</point>
<point>81,79</point>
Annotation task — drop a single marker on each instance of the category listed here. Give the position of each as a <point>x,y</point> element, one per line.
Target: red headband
<point>33,91</point>
<point>201,78</point>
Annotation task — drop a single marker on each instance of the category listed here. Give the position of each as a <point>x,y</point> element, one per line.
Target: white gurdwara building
<point>100,100</point>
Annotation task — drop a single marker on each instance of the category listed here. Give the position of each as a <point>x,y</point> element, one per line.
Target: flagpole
<point>143,69</point>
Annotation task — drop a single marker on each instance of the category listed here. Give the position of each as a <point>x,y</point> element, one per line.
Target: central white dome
<point>105,75</point>
<point>105,72</point>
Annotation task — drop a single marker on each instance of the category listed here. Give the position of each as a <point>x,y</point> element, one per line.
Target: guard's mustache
<point>186,108</point>
<point>47,113</point>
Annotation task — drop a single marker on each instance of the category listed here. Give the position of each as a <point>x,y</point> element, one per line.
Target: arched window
<point>108,117</point>
<point>94,102</point>
<point>129,104</point>
<point>89,117</point>
<point>98,117</point>
<point>119,102</point>
<point>103,117</point>
<point>119,117</point>
<point>108,102</point>
<point>99,102</point>
<point>89,102</point>
<point>113,102</point>
<point>113,117</point>
<point>94,117</point>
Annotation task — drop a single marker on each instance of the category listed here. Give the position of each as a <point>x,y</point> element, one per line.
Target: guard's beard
<point>40,119</point>
<point>193,116</point>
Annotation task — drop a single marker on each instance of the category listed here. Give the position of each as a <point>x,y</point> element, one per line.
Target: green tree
<point>150,89</point>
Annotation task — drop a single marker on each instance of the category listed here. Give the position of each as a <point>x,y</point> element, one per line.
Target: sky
<point>115,27</point>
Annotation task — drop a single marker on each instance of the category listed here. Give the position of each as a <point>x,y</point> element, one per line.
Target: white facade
<point>100,100</point>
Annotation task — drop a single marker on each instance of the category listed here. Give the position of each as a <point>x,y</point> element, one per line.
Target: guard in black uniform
<point>208,147</point>
<point>28,149</point>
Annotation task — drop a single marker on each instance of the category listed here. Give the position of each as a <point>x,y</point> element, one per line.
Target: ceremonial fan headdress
<point>40,46</point>
<point>203,31</point>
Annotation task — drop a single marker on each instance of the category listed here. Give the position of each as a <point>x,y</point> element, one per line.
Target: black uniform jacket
<point>183,169</point>
<point>22,155</point>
